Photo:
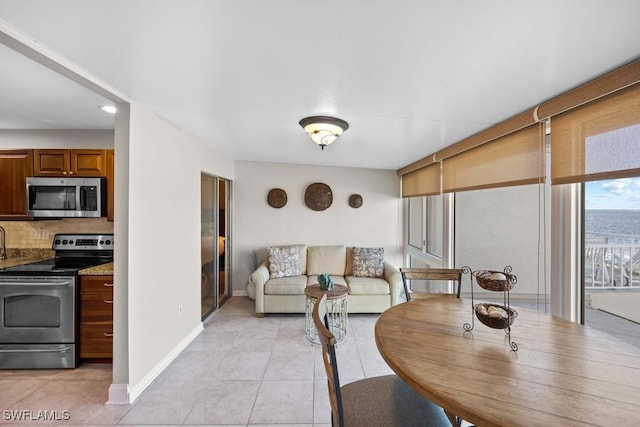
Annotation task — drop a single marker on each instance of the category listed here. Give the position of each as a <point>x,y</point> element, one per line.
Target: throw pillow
<point>284,261</point>
<point>368,262</point>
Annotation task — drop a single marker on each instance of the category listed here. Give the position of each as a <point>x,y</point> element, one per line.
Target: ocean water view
<point>624,222</point>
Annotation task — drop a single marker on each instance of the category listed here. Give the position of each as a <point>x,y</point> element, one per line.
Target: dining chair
<point>430,274</point>
<point>375,401</point>
<point>434,274</point>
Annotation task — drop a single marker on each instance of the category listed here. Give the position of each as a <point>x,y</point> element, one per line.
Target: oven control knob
<point>57,241</point>
<point>108,242</point>
<point>102,242</point>
<point>64,242</point>
<point>71,242</point>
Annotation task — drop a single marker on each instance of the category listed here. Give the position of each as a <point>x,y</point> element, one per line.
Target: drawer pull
<point>108,334</point>
<point>109,285</point>
<point>108,301</point>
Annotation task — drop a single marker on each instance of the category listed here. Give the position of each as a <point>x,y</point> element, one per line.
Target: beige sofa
<point>286,294</point>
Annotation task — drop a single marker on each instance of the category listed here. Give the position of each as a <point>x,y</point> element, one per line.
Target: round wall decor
<point>318,196</point>
<point>355,201</point>
<point>277,198</point>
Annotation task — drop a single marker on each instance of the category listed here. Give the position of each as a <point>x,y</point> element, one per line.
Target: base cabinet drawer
<point>96,341</point>
<point>96,307</point>
<point>96,284</point>
<point>96,317</point>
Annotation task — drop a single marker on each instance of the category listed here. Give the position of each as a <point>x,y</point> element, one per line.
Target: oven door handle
<point>37,350</point>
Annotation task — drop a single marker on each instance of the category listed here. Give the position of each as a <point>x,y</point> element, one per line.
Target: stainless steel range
<point>38,303</point>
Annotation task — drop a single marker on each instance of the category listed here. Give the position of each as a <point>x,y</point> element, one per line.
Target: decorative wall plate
<point>355,201</point>
<point>318,196</point>
<point>277,198</point>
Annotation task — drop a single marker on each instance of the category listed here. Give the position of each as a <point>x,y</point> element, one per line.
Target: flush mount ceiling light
<point>107,108</point>
<point>323,130</point>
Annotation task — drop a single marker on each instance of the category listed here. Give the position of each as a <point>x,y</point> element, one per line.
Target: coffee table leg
<point>337,312</point>
<point>342,319</point>
<point>308,314</point>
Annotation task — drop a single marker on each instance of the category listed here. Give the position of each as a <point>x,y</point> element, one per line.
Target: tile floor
<point>240,370</point>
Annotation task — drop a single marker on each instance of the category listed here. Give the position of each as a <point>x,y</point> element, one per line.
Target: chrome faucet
<point>3,249</point>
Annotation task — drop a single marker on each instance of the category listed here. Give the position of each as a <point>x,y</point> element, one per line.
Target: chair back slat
<point>450,274</point>
<point>433,273</point>
<point>328,343</point>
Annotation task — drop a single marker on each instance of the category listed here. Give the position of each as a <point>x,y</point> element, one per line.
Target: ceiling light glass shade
<point>323,130</point>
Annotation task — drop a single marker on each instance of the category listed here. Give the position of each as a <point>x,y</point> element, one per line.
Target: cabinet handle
<point>108,334</point>
<point>70,172</point>
<point>64,173</point>
<point>109,301</point>
<point>109,285</point>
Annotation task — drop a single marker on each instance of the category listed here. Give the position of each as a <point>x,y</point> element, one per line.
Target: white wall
<point>56,138</point>
<point>164,240</point>
<point>256,225</point>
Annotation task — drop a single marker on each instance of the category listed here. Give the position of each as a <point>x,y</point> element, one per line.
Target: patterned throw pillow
<point>368,262</point>
<point>284,261</point>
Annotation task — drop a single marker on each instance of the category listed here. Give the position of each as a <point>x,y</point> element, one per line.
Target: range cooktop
<point>52,267</point>
<point>74,252</point>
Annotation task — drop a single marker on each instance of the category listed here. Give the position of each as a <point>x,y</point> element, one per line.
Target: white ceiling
<point>410,77</point>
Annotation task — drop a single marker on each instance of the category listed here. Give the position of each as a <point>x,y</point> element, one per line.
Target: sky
<point>621,193</point>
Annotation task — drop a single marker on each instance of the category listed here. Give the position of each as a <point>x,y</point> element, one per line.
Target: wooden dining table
<point>563,374</point>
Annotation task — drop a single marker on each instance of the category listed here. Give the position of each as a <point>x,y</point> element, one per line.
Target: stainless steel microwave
<point>66,197</point>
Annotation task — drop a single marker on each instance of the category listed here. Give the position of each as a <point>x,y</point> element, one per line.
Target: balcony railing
<point>612,262</point>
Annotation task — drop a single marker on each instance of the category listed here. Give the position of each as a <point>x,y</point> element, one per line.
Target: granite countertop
<point>98,270</point>
<point>18,256</point>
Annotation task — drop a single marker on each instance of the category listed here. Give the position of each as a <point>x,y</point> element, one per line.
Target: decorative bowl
<point>495,280</point>
<point>482,309</point>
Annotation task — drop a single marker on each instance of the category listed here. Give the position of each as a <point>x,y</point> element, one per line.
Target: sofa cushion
<point>337,280</point>
<point>367,286</point>
<point>348,271</point>
<point>284,261</point>
<point>286,286</point>
<point>368,262</point>
<point>326,259</point>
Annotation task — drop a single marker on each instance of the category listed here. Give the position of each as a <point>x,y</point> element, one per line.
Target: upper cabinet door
<point>81,163</point>
<point>88,162</point>
<point>51,162</point>
<point>15,167</point>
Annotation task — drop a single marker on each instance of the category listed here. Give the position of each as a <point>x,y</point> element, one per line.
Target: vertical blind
<point>599,140</point>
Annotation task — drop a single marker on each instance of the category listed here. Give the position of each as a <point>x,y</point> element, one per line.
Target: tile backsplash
<point>39,234</point>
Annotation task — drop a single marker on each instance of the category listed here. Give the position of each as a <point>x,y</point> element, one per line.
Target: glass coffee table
<point>336,311</point>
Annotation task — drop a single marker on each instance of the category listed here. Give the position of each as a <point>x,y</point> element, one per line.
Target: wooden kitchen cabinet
<point>70,162</point>
<point>110,183</point>
<point>15,167</point>
<point>96,317</point>
<point>96,342</point>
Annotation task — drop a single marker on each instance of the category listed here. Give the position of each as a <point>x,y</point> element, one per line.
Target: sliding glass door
<point>215,242</point>
<point>611,257</point>
<point>501,227</point>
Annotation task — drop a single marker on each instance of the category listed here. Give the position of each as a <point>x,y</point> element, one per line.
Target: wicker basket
<point>495,322</point>
<point>487,280</point>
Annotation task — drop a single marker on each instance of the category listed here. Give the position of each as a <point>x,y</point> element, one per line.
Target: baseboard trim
<point>118,394</point>
<point>136,390</point>
<point>240,293</point>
